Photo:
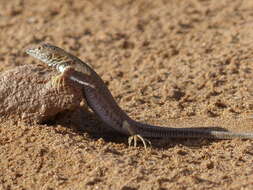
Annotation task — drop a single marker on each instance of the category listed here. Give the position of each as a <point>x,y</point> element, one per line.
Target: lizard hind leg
<point>134,137</point>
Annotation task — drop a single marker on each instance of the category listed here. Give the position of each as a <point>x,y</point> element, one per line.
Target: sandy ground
<point>184,63</point>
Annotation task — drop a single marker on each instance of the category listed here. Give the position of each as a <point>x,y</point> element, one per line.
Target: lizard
<point>102,103</point>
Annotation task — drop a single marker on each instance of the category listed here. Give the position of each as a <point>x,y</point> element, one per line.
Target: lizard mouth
<point>31,52</point>
<point>37,54</point>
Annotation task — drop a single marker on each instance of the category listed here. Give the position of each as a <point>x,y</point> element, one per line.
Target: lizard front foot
<point>58,81</point>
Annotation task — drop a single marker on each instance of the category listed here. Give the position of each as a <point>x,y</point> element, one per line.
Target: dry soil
<point>186,63</point>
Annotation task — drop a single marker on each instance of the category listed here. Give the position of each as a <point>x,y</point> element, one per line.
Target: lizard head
<point>49,54</point>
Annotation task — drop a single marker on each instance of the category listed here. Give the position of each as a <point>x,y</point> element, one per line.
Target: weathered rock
<point>27,94</point>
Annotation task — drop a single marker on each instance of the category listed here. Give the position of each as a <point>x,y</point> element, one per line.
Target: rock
<point>27,94</point>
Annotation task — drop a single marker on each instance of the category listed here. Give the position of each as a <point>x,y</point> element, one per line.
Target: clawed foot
<point>58,81</point>
<point>135,138</point>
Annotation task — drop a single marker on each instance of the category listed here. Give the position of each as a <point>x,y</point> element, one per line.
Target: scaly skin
<point>101,101</point>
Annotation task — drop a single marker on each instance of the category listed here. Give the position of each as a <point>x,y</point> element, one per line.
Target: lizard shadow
<point>81,121</point>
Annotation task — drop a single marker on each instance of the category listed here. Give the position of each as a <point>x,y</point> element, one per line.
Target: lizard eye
<point>39,48</point>
<point>49,56</point>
